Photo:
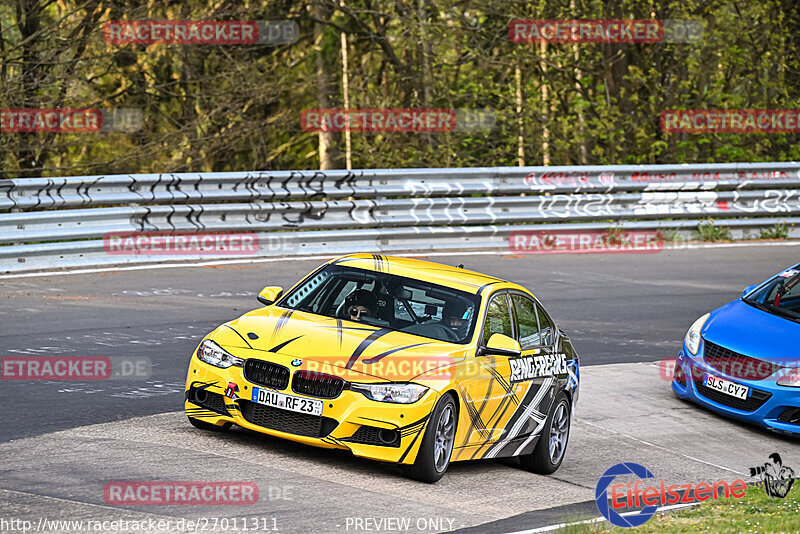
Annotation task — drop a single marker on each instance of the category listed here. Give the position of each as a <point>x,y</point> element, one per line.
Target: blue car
<point>742,360</point>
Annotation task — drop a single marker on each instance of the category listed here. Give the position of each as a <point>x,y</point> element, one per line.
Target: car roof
<point>427,271</point>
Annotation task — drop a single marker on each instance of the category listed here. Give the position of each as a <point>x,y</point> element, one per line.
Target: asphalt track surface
<point>60,442</point>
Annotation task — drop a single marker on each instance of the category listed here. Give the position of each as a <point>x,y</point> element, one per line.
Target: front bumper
<point>769,405</point>
<point>350,421</point>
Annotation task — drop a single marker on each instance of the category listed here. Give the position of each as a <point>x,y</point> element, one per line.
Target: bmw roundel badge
<point>296,363</point>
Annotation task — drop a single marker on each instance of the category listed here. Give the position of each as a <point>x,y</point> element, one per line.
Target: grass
<point>778,231</point>
<point>756,512</point>
<point>711,232</point>
<point>674,237</point>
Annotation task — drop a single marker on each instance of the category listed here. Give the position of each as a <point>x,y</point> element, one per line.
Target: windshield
<point>387,301</point>
<point>780,296</point>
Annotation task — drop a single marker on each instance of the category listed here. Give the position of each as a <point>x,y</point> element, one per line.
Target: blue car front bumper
<point>769,405</point>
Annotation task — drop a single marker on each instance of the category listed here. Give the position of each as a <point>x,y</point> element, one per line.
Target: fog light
<point>680,376</point>
<point>200,395</point>
<point>387,436</point>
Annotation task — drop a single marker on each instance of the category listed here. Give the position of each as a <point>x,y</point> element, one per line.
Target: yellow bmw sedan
<point>398,360</point>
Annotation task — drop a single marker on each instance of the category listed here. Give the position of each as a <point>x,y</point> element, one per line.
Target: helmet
<point>455,308</point>
<point>361,297</point>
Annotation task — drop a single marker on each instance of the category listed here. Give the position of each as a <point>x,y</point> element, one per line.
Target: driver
<point>454,316</point>
<point>360,303</point>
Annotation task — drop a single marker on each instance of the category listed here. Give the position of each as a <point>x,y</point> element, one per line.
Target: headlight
<point>791,378</point>
<point>398,393</point>
<point>692,340</point>
<point>211,353</point>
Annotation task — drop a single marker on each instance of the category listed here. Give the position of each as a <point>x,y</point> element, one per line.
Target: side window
<point>400,311</point>
<point>498,318</point>
<point>546,330</point>
<point>526,320</point>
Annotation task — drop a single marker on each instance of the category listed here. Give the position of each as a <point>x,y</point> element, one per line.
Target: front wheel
<point>549,452</point>
<point>434,453</point>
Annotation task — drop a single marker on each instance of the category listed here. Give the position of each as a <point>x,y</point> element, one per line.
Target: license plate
<point>287,402</point>
<point>726,386</point>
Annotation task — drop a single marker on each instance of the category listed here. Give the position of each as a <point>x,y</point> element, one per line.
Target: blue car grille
<point>738,365</point>
<point>752,403</point>
<point>790,415</point>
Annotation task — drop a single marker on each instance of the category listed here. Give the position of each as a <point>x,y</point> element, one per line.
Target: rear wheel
<point>434,453</point>
<point>205,425</point>
<point>549,452</point>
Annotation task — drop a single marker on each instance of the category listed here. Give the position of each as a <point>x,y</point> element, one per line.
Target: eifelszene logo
<point>776,477</point>
<point>627,504</point>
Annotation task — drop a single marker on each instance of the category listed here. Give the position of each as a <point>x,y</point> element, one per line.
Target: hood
<point>334,345</point>
<point>747,330</point>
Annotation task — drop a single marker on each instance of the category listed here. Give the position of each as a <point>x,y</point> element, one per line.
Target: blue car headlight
<point>213,354</point>
<point>790,378</point>
<point>692,339</point>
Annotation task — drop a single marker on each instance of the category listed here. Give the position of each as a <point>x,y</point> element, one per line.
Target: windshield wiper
<point>755,303</point>
<point>774,310</point>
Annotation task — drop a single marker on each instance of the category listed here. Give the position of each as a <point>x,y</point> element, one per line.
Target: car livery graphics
<point>540,366</point>
<point>355,382</point>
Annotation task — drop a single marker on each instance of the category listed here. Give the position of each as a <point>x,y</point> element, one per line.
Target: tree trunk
<point>328,152</point>
<point>545,106</point>
<point>520,122</point>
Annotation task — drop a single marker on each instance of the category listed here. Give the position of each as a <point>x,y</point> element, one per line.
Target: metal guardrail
<point>61,222</point>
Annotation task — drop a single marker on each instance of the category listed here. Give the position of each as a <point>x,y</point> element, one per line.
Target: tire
<point>546,458</point>
<point>203,425</point>
<point>434,453</point>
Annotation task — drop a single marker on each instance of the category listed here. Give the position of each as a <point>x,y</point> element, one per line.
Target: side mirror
<point>501,345</point>
<point>748,289</point>
<point>269,295</point>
